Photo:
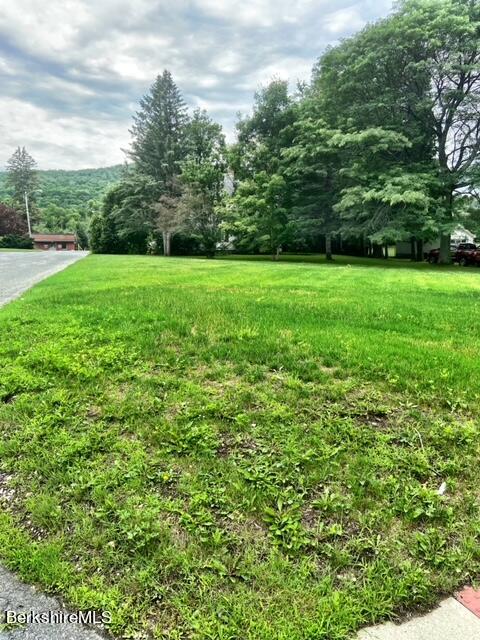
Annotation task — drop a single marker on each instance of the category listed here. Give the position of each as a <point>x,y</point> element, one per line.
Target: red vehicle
<point>465,253</point>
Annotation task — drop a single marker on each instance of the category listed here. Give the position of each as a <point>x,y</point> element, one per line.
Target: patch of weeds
<point>284,522</point>
<point>45,511</point>
<point>191,438</point>
<point>416,502</point>
<point>140,525</point>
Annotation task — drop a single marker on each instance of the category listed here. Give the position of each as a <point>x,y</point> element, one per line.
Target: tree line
<point>381,146</point>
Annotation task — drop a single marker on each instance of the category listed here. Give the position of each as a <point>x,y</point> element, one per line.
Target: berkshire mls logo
<point>57,617</point>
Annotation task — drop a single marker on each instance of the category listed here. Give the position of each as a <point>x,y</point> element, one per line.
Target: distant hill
<point>70,188</point>
<point>66,198</point>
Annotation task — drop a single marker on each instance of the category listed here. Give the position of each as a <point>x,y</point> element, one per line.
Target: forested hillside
<point>65,198</point>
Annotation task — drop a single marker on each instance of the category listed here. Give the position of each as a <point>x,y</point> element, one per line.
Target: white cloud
<point>72,71</point>
<point>59,142</point>
<point>344,19</point>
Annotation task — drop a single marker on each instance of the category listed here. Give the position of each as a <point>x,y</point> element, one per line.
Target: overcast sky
<point>72,71</point>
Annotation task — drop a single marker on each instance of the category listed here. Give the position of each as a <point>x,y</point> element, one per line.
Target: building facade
<point>54,241</point>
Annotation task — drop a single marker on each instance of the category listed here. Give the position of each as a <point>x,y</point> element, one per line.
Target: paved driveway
<point>21,598</point>
<point>19,270</point>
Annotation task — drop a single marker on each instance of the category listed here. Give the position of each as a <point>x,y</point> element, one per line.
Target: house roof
<point>53,237</point>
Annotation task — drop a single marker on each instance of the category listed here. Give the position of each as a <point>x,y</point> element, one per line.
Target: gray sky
<point>72,71</point>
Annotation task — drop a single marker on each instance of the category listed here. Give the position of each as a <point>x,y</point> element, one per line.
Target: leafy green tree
<point>263,134</point>
<point>12,221</point>
<point>415,73</point>
<point>203,176</point>
<point>127,208</point>
<point>256,217</point>
<point>360,89</point>
<point>125,221</point>
<point>383,198</point>
<point>311,165</point>
<point>450,34</point>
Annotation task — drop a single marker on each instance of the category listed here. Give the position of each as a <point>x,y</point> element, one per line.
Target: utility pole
<point>28,214</point>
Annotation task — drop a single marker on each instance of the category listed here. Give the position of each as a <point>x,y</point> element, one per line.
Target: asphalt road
<point>20,270</point>
<point>20,598</point>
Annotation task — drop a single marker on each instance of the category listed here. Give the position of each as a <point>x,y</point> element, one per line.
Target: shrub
<point>13,241</point>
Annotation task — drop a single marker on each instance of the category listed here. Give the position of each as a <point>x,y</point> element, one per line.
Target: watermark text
<point>57,617</point>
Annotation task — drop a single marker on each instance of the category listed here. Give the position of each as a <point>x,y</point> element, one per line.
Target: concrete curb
<point>450,621</point>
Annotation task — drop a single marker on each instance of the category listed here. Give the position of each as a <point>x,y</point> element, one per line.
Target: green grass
<point>342,260</point>
<point>240,449</point>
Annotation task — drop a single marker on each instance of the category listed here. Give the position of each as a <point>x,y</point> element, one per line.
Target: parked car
<point>464,253</point>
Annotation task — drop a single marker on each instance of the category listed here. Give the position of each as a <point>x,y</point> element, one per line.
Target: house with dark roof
<point>55,241</point>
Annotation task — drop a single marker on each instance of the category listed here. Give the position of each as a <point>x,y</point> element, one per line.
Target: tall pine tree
<point>158,132</point>
<point>22,177</point>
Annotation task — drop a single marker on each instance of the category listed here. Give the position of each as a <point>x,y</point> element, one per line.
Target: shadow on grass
<point>342,261</point>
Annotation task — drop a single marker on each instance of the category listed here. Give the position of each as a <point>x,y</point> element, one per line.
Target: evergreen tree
<point>159,131</point>
<point>22,178</point>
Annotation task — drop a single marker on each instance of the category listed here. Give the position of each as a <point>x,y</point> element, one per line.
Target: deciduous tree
<point>203,175</point>
<point>170,214</point>
<point>256,217</point>
<point>12,221</point>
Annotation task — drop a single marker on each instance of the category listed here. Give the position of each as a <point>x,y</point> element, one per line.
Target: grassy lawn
<point>341,260</point>
<point>242,450</point>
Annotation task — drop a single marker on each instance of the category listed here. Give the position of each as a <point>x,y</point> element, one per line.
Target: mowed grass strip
<point>242,450</point>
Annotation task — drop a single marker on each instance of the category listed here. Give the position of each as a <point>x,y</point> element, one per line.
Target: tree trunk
<point>420,250</point>
<point>445,239</point>
<point>413,249</point>
<point>276,255</point>
<point>328,246</point>
<point>385,255</point>
<point>166,242</point>
<point>377,251</point>
<point>445,257</point>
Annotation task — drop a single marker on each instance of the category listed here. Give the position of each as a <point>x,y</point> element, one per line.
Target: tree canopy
<point>381,146</point>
